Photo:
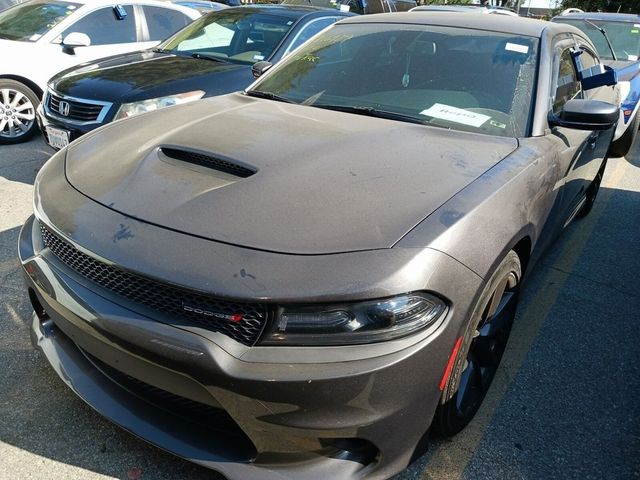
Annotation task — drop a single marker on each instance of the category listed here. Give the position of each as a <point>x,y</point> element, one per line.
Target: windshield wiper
<point>604,34</point>
<point>373,112</point>
<point>161,50</point>
<point>208,57</point>
<point>267,95</point>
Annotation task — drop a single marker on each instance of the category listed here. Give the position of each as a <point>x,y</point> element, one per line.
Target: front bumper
<point>262,419</point>
<point>249,412</point>
<point>75,131</point>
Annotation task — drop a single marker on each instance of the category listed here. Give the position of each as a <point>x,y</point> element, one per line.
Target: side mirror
<point>259,68</point>
<point>586,115</point>
<point>73,40</point>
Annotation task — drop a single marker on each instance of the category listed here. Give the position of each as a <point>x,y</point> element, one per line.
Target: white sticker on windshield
<point>454,114</point>
<point>345,8</point>
<point>514,47</point>
<point>258,57</point>
<point>633,58</point>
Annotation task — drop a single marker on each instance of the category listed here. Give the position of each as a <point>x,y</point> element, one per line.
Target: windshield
<point>246,36</point>
<point>624,37</point>
<point>29,21</point>
<point>449,77</point>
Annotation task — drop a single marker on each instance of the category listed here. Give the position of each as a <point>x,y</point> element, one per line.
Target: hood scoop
<point>208,161</point>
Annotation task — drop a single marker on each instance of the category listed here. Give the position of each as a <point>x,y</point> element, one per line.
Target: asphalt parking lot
<point>565,403</point>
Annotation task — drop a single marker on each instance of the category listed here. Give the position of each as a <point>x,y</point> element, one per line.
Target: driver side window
<point>103,28</point>
<point>567,84</point>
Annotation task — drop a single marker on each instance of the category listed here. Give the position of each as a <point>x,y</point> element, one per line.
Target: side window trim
<point>559,51</point>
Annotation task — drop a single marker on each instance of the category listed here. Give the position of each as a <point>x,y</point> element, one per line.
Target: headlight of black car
<point>354,323</point>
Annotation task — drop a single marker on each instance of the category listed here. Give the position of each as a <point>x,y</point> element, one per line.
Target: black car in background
<point>212,56</point>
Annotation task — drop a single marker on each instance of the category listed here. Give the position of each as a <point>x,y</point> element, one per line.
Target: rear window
<point>30,21</point>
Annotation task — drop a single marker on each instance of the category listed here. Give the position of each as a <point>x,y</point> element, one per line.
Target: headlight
<point>355,323</point>
<point>130,109</point>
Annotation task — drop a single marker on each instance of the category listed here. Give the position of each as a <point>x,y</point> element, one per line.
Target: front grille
<point>208,161</point>
<point>80,111</point>
<point>241,321</point>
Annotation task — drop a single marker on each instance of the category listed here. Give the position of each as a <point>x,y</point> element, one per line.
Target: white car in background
<point>39,38</point>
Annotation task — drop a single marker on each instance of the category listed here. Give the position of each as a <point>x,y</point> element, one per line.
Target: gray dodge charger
<point>303,279</point>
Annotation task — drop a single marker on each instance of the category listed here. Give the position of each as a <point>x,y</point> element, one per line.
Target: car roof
<point>457,8</point>
<point>615,17</point>
<point>497,23</point>
<point>99,3</point>
<point>482,9</point>
<point>289,10</point>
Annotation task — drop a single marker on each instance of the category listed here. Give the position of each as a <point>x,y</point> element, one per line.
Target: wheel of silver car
<point>481,349</point>
<point>17,112</point>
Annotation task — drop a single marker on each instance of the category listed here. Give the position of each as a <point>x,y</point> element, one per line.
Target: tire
<point>483,343</point>
<point>621,147</point>
<point>18,105</point>
<point>592,193</point>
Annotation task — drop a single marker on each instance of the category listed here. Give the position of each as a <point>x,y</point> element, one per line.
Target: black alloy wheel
<point>481,349</point>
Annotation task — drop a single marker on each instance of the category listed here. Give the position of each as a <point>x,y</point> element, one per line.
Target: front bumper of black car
<point>50,121</point>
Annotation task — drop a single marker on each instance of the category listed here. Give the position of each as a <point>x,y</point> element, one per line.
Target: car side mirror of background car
<point>259,68</point>
<point>586,115</point>
<point>73,40</point>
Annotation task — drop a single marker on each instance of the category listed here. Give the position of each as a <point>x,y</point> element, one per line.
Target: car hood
<point>324,181</point>
<point>136,75</point>
<point>626,69</point>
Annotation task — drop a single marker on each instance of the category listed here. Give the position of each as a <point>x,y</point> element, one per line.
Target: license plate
<point>57,138</point>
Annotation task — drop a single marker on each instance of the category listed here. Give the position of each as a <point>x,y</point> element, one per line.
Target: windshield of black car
<point>624,37</point>
<point>246,36</point>
<point>456,78</point>
<point>30,21</point>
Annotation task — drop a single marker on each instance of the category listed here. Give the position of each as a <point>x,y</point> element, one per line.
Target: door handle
<point>593,139</point>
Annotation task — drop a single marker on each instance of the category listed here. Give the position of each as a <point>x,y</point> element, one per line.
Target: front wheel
<point>17,112</point>
<point>480,352</point>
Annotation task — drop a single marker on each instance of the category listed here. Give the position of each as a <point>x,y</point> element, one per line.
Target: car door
<point>585,61</point>
<point>110,33</point>
<point>580,152</point>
